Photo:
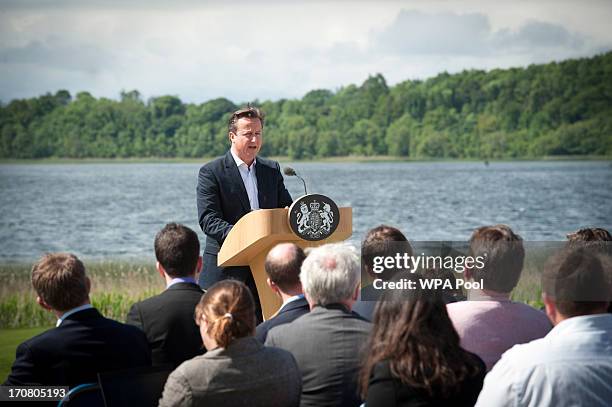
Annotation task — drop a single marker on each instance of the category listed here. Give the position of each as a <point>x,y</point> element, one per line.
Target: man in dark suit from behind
<point>83,343</point>
<point>282,266</point>
<point>167,319</point>
<point>327,343</point>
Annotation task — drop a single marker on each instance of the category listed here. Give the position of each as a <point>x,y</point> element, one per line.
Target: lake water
<point>114,210</point>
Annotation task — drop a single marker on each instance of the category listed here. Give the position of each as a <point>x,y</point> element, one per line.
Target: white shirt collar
<point>291,299</point>
<point>239,162</point>
<point>178,280</point>
<point>72,311</point>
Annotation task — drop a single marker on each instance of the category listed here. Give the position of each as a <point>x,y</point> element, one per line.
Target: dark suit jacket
<point>385,389</point>
<point>286,314</point>
<point>223,200</point>
<point>366,304</point>
<point>84,344</point>
<point>327,344</point>
<point>167,321</point>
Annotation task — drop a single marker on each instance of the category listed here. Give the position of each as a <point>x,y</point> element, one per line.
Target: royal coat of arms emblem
<point>314,217</point>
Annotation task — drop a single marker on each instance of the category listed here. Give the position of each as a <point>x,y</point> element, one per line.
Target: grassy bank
<point>9,340</point>
<point>118,285</point>
<point>115,287</point>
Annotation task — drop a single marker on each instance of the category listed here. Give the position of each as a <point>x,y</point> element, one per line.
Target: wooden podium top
<point>252,237</point>
<point>262,229</point>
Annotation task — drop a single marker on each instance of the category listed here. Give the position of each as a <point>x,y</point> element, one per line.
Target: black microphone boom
<point>291,173</point>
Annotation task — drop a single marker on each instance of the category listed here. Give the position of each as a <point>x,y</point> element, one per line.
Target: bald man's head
<point>283,265</point>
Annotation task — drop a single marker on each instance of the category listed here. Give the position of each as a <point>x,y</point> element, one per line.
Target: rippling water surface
<point>114,210</point>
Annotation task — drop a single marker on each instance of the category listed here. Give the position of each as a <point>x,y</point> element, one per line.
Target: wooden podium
<point>252,237</point>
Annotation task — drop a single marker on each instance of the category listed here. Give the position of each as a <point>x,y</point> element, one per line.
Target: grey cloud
<point>70,57</point>
<point>414,32</point>
<point>117,4</point>
<point>537,34</point>
<point>79,4</point>
<point>346,53</point>
<point>27,81</point>
<point>414,45</point>
<point>418,33</point>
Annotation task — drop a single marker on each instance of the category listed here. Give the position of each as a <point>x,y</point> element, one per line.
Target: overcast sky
<point>246,50</point>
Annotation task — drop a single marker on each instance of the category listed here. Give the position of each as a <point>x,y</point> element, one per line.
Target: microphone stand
<point>291,172</point>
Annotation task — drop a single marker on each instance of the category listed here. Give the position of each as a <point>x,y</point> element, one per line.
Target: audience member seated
<point>489,323</point>
<point>597,239</point>
<point>167,318</point>
<point>327,341</point>
<point>237,370</point>
<point>572,365</point>
<point>83,342</point>
<point>283,269</point>
<point>415,358</point>
<point>378,242</point>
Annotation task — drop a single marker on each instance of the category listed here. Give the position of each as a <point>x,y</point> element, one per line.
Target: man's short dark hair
<point>595,238</point>
<point>379,241</point>
<point>504,256</point>
<point>60,280</point>
<point>285,273</point>
<point>578,281</point>
<point>177,249</point>
<point>590,235</point>
<point>249,112</point>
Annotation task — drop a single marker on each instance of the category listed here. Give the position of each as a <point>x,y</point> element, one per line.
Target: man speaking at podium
<point>231,186</point>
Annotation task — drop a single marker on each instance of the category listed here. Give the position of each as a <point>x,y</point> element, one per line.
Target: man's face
<point>246,141</point>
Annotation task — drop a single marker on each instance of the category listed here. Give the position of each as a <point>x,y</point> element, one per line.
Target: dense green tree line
<point>553,109</point>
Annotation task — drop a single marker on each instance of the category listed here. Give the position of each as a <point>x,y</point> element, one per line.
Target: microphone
<point>291,173</point>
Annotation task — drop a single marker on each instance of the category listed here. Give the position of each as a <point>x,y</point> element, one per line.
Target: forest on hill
<point>559,108</point>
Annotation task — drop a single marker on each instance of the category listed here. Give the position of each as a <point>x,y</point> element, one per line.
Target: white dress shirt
<point>249,179</point>
<point>571,366</point>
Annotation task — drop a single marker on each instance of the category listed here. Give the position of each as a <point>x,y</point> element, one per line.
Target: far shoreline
<point>338,159</point>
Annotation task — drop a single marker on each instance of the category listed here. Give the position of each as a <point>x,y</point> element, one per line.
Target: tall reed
<point>115,287</point>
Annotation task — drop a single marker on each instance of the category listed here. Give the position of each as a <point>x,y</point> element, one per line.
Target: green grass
<point>529,291</point>
<point>118,285</point>
<point>115,287</point>
<point>9,340</point>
